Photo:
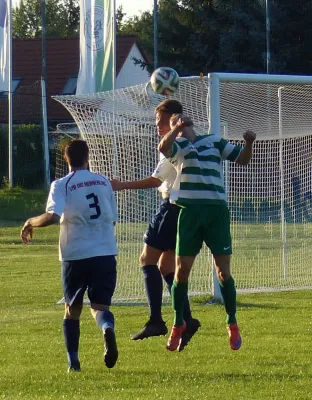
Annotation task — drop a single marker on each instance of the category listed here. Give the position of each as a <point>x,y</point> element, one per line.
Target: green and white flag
<point>4,45</point>
<point>97,46</point>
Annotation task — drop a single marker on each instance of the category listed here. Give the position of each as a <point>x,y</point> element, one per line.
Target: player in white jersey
<point>158,256</point>
<point>84,205</point>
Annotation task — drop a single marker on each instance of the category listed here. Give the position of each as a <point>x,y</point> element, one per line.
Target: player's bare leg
<point>228,291</point>
<point>167,269</point>
<point>71,330</point>
<point>105,320</point>
<point>155,326</point>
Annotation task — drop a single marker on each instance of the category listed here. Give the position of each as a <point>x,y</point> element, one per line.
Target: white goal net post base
<point>268,200</point>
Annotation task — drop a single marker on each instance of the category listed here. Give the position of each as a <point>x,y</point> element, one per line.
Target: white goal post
<point>270,200</point>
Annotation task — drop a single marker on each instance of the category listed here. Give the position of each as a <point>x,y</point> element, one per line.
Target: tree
<point>119,18</point>
<point>62,18</point>
<point>228,36</point>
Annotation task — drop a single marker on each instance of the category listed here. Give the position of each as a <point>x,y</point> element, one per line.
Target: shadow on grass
<point>210,301</point>
<point>259,306</point>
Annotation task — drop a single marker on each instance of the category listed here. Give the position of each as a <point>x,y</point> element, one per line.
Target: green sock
<point>178,294</point>
<point>228,292</point>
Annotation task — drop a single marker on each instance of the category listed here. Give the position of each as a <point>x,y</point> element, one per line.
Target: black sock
<point>71,330</point>
<point>105,319</point>
<point>154,288</point>
<point>169,281</point>
<point>187,315</point>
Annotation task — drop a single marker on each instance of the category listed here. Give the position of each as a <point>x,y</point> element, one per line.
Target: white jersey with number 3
<point>86,204</point>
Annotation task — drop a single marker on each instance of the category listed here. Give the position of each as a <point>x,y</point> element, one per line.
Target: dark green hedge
<point>27,156</point>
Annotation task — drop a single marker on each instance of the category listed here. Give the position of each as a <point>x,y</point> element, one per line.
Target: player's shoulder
<point>182,142</point>
<point>211,140</point>
<point>208,138</point>
<point>93,176</point>
<point>60,185</point>
<point>63,181</point>
<point>162,157</point>
<point>163,160</point>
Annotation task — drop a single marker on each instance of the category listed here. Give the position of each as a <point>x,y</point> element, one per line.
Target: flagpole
<point>44,98</point>
<point>267,35</point>
<point>155,34</point>
<point>10,95</point>
<point>115,153</point>
<point>114,44</point>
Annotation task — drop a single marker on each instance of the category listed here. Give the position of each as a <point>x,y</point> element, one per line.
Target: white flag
<point>4,45</point>
<point>97,46</point>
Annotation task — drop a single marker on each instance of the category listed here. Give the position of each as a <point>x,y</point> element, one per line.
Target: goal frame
<point>215,78</point>
<point>214,118</point>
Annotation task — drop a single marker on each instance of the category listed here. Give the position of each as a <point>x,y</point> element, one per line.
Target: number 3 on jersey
<point>94,204</point>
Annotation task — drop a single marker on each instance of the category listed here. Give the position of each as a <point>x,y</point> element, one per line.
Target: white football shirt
<point>86,204</point>
<point>165,172</point>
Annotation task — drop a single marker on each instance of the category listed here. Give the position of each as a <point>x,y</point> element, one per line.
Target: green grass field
<point>273,363</point>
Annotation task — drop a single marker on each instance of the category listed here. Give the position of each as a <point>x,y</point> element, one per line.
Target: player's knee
<point>72,312</point>
<point>149,258</point>
<point>223,275</point>
<point>143,259</point>
<point>181,275</point>
<point>166,269</point>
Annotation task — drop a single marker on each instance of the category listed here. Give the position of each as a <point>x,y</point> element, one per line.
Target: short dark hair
<point>170,106</point>
<point>77,152</point>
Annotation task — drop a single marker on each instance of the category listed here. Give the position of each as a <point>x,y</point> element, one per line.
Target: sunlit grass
<point>274,362</point>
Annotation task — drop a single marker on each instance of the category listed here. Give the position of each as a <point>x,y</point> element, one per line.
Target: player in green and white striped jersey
<point>204,216</point>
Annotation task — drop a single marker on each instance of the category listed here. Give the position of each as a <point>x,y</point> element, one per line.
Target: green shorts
<point>209,224</point>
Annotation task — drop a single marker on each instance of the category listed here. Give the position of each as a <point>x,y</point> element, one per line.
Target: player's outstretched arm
<point>177,123</point>
<point>146,183</point>
<point>246,153</point>
<point>166,143</point>
<point>42,220</point>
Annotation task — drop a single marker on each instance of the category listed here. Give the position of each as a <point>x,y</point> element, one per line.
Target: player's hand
<point>249,136</point>
<point>186,121</point>
<point>181,122</point>
<point>116,184</point>
<point>26,231</point>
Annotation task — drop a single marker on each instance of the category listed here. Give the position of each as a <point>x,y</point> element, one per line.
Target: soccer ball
<point>164,80</point>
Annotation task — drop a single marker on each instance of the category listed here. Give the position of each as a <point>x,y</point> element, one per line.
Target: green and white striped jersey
<point>199,170</point>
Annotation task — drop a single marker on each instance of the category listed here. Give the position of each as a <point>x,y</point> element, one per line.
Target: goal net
<point>119,127</point>
<point>60,137</point>
<point>269,200</point>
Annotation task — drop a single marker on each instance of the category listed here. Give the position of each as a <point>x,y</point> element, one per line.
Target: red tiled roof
<point>62,63</point>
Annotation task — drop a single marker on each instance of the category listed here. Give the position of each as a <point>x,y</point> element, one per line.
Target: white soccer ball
<point>165,80</point>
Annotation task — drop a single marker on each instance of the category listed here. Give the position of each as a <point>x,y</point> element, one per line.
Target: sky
<point>130,7</point>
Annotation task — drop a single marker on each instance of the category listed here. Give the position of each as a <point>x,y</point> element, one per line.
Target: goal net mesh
<point>119,127</point>
<point>270,200</point>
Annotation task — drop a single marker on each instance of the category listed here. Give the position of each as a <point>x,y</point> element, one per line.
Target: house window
<point>15,85</point>
<point>70,87</point>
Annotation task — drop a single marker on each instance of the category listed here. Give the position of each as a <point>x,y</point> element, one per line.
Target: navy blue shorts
<point>98,275</point>
<point>162,230</point>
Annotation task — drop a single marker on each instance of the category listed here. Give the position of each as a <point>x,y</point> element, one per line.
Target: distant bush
<point>28,171</point>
